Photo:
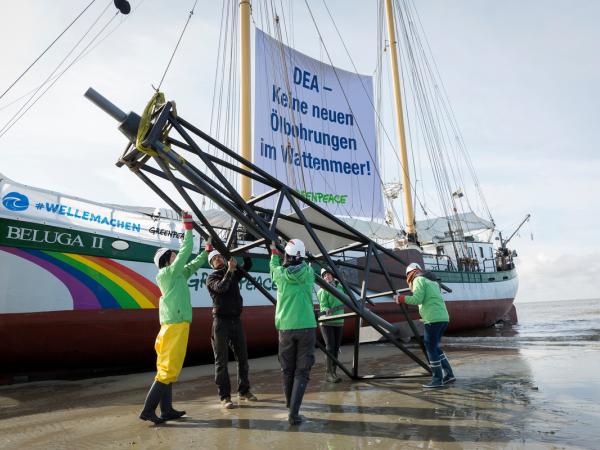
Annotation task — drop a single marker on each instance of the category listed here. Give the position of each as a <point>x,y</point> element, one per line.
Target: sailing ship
<point>78,280</point>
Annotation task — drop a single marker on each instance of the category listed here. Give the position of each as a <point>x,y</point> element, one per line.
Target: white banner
<point>314,129</point>
<point>21,202</point>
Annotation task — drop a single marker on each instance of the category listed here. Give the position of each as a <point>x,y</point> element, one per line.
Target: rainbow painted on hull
<point>94,282</point>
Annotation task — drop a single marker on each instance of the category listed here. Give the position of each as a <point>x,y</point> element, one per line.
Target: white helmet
<point>411,267</point>
<point>212,254</point>
<point>295,247</point>
<point>325,270</point>
<point>158,255</point>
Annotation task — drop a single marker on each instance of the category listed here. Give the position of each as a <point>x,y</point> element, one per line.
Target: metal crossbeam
<point>264,224</point>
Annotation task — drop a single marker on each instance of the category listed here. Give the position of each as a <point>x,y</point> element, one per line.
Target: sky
<point>522,78</point>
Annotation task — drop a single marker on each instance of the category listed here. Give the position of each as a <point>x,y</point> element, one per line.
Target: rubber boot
<point>288,385</point>
<point>335,375</point>
<point>152,400</point>
<point>330,376</point>
<point>438,375</point>
<point>449,375</point>
<point>166,405</point>
<point>295,401</point>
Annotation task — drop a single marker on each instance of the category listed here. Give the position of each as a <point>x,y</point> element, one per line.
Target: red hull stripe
<point>104,338</point>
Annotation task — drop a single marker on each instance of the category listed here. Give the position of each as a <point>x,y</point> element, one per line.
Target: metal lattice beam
<point>264,224</point>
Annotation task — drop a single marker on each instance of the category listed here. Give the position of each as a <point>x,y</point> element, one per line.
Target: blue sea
<point>570,323</point>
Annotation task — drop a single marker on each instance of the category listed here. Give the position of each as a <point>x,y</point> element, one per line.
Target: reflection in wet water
<point>479,408</point>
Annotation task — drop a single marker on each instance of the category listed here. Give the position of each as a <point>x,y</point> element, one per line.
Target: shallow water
<point>560,342</point>
<point>564,323</point>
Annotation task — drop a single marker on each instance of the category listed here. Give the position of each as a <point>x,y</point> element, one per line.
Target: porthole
<point>120,245</point>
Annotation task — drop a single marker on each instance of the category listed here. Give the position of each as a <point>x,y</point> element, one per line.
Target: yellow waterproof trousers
<point>170,346</point>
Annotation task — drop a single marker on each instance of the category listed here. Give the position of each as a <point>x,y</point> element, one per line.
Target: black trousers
<point>228,332</point>
<point>333,338</point>
<point>296,354</point>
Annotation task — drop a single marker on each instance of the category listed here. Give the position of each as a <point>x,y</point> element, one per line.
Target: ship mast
<point>409,214</point>
<point>245,100</point>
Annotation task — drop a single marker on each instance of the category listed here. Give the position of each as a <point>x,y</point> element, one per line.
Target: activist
<point>175,313</point>
<point>331,330</point>
<point>427,295</point>
<point>295,321</point>
<point>227,329</point>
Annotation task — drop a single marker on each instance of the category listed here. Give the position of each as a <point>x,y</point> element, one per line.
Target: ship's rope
<point>47,48</point>
<point>454,124</point>
<point>225,98</point>
<point>426,113</point>
<point>410,71</point>
<point>78,58</point>
<point>376,169</point>
<point>191,13</point>
<point>376,110</point>
<point>442,137</point>
<point>380,122</point>
<point>381,127</point>
<point>32,98</point>
<point>274,22</point>
<point>291,173</point>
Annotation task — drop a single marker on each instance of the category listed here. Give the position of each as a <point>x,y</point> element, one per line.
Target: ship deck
<point>495,403</point>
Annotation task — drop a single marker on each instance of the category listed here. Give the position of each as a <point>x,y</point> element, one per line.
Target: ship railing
<point>489,265</point>
<point>442,263</point>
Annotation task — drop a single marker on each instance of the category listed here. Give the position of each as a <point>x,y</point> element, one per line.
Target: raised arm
<point>220,285</point>
<point>191,267</point>
<point>275,264</point>
<point>184,253</point>
<point>247,266</point>
<point>419,288</point>
<point>198,261</point>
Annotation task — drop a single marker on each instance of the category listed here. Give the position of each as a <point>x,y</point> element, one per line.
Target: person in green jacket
<point>295,322</point>
<point>427,295</point>
<point>175,313</point>
<point>331,330</point>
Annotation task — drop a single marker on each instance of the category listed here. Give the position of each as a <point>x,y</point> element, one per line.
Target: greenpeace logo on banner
<point>68,211</point>
<point>315,130</point>
<point>15,201</point>
<point>322,197</point>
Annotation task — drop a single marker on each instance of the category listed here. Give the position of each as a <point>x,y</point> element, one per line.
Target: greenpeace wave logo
<point>15,201</point>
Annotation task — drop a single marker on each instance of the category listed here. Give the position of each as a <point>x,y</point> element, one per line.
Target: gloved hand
<point>400,299</point>
<point>208,246</point>
<point>273,248</point>
<point>187,220</point>
<point>231,264</point>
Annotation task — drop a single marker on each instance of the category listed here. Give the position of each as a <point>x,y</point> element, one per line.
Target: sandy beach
<point>504,398</point>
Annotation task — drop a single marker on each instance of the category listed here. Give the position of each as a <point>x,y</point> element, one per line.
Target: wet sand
<point>504,398</point>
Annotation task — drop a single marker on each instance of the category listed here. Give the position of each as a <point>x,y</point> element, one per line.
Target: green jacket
<point>331,302</point>
<point>427,295</point>
<point>294,309</point>
<point>175,304</point>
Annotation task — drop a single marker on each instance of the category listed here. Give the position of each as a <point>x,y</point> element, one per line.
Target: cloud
<point>557,273</point>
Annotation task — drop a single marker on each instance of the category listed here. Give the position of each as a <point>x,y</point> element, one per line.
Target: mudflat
<point>503,398</point>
